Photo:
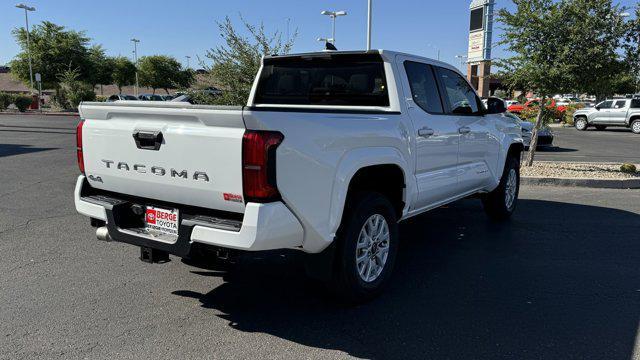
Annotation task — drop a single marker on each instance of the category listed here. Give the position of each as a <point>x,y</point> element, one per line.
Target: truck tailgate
<point>179,153</point>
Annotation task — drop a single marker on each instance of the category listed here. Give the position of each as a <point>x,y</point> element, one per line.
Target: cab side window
<point>424,88</point>
<point>461,98</point>
<point>620,104</point>
<point>605,104</point>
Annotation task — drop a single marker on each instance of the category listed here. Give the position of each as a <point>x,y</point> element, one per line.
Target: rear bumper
<point>263,227</point>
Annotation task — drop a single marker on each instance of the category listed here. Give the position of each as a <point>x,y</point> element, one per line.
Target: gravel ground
<point>575,170</point>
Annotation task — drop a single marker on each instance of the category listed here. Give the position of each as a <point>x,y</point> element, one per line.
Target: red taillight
<point>259,165</point>
<point>79,145</point>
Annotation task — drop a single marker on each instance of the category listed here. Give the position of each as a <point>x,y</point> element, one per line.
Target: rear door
<point>436,134</point>
<point>177,153</point>
<point>618,113</point>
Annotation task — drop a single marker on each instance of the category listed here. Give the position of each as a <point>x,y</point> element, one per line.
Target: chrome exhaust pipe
<point>102,233</point>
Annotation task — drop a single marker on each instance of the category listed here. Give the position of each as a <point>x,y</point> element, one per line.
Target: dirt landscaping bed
<point>577,170</point>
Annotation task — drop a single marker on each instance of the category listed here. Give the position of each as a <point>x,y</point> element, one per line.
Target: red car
<point>517,108</point>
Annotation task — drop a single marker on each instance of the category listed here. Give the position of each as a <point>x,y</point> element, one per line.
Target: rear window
<point>331,79</point>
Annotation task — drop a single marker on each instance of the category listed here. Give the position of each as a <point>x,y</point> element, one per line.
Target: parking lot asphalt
<point>610,145</point>
<point>559,281</point>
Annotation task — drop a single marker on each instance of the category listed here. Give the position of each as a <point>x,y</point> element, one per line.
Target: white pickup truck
<point>332,150</point>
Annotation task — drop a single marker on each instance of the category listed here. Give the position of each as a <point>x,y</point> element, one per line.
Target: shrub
<point>22,102</point>
<point>628,168</point>
<point>81,92</point>
<point>6,99</point>
<point>101,98</point>
<point>568,114</point>
<point>72,91</point>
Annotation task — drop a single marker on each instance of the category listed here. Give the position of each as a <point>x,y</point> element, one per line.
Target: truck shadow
<point>558,281</point>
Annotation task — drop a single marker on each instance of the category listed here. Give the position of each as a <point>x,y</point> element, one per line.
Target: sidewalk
<point>39,113</point>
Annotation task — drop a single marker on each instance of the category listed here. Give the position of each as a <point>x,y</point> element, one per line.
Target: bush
<point>6,99</point>
<point>81,92</point>
<point>22,102</point>
<point>628,168</point>
<point>568,114</point>
<point>72,91</point>
<point>101,98</point>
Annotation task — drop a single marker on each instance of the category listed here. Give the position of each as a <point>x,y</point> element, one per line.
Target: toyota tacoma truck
<point>330,153</point>
<point>614,112</point>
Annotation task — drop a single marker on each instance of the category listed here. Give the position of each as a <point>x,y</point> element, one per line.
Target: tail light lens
<point>259,165</point>
<point>79,145</point>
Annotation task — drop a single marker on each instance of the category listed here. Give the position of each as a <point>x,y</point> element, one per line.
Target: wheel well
<point>386,179</point>
<point>515,150</point>
<point>634,118</point>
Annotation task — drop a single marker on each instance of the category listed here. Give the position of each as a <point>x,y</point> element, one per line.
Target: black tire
<point>346,282</point>
<point>635,126</point>
<point>581,123</point>
<point>495,202</point>
<point>600,127</point>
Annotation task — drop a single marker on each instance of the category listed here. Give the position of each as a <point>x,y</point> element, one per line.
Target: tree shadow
<point>557,281</point>
<point>554,149</point>
<point>17,149</point>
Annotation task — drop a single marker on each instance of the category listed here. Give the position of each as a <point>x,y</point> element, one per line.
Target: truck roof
<point>388,55</point>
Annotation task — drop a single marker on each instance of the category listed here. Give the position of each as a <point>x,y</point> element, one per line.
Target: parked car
<point>512,102</point>
<point>117,97</point>
<point>518,108</point>
<point>211,90</point>
<point>545,135</point>
<point>612,112</point>
<point>331,151</point>
<point>167,97</point>
<point>150,97</point>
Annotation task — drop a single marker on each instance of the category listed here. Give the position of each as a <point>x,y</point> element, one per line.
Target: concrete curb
<point>589,183</point>
<point>33,113</point>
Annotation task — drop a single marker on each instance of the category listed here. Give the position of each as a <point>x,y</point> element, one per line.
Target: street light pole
<point>333,15</point>
<point>188,58</point>
<point>135,57</point>
<point>26,19</point>
<point>369,9</point>
<point>462,58</point>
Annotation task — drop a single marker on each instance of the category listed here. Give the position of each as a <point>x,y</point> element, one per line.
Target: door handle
<point>425,132</point>
<point>148,140</point>
<point>464,130</point>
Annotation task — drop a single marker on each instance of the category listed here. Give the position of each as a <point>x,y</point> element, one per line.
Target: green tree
<point>595,32</point>
<point>560,47</point>
<point>101,67</point>
<point>236,63</point>
<point>632,47</point>
<point>535,33</point>
<point>53,50</point>
<point>162,72</point>
<point>124,72</point>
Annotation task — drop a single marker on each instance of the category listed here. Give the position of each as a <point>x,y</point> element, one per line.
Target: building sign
<point>477,19</point>
<point>476,46</point>
<point>480,30</point>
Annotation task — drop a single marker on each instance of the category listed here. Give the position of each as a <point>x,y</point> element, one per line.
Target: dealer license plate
<point>161,222</point>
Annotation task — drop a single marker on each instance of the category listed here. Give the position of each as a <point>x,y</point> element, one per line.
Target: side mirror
<point>495,106</point>
<point>597,108</point>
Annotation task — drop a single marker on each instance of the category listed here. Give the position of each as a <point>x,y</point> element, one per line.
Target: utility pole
<point>188,58</point>
<point>26,19</point>
<point>135,60</point>
<point>288,24</point>
<point>333,15</point>
<point>369,9</point>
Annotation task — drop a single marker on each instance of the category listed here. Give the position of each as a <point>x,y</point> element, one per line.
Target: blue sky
<point>181,28</point>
